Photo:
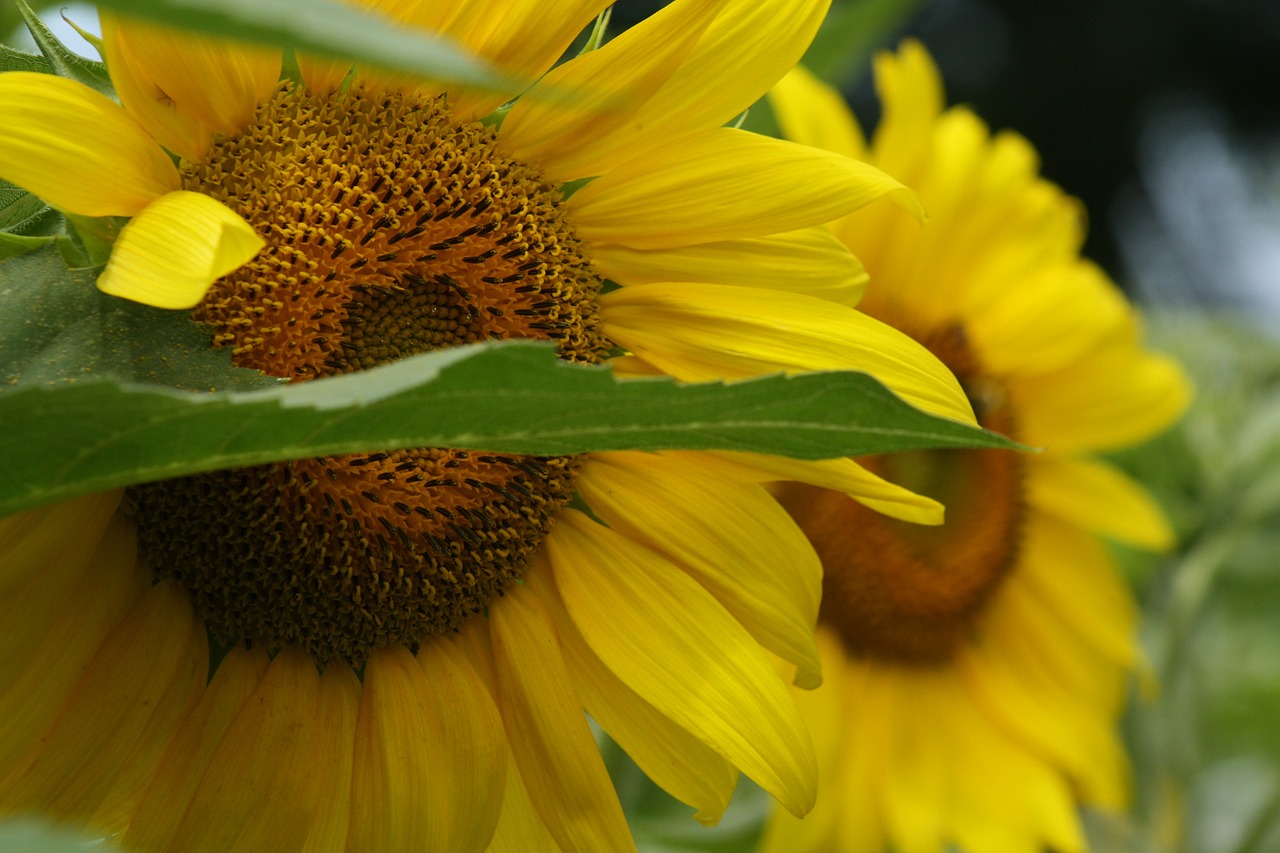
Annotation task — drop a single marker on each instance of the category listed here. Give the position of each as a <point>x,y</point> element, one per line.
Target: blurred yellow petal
<point>605,86</point>
<point>1048,318</point>
<point>213,82</point>
<point>430,757</point>
<point>724,184</point>
<point>1117,395</point>
<point>76,149</point>
<point>57,623</point>
<point>809,261</point>
<point>699,332</point>
<point>672,643</point>
<point>812,113</point>
<point>1099,498</point>
<point>553,747</point>
<point>276,750</point>
<point>141,683</point>
<point>166,798</point>
<point>827,719</point>
<point>322,75</point>
<point>1029,683</point>
<point>1059,560</point>
<point>751,556</point>
<point>171,252</point>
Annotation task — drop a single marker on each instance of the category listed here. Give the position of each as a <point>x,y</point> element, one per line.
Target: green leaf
<point>62,61</point>
<point>32,836</point>
<point>12,245</point>
<point>23,213</point>
<point>18,60</point>
<point>851,33</point>
<point>324,27</point>
<point>93,401</point>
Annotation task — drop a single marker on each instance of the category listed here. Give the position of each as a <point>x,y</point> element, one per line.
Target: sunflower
<point>975,671</point>
<point>393,651</point>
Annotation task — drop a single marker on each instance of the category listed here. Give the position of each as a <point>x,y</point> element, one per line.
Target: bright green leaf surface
<point>31,836</point>
<point>323,27</point>
<point>93,401</point>
<point>17,60</point>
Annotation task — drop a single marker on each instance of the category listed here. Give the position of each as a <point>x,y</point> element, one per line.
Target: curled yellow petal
<point>178,246</point>
<point>701,332</point>
<point>76,149</point>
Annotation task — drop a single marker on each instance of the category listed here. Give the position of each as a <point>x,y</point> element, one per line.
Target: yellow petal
<point>725,184</point>
<point>335,730</point>
<point>32,541</point>
<point>141,683</point>
<point>606,85</point>
<point>910,90</point>
<point>76,149</point>
<point>171,252</point>
<point>1059,562</point>
<point>700,332</point>
<point>1004,796</point>
<point>57,623</point>
<point>1099,498</point>
<point>841,475</point>
<point>521,37</point>
<point>1052,316</point>
<point>1018,687</point>
<point>211,82</point>
<point>827,719</point>
<point>1117,395</point>
<point>734,539</point>
<point>553,747</point>
<point>322,75</point>
<point>812,113</point>
<point>671,642</point>
<point>913,789</point>
<point>165,800</point>
<point>809,261</point>
<point>680,764</point>
<point>748,47</point>
<point>274,751</point>
<point>430,757</point>
<point>520,830</point>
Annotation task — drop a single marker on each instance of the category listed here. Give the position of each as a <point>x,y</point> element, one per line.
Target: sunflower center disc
<point>908,593</point>
<point>391,230</point>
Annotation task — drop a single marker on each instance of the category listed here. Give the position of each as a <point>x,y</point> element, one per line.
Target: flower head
<point>404,642</point>
<point>974,671</point>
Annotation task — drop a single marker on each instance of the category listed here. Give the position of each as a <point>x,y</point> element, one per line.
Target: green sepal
<point>62,60</point>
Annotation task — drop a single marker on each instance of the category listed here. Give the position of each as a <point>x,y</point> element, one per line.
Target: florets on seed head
<point>391,230</point>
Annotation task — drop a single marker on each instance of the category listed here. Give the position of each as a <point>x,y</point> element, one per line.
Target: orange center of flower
<point>912,594</point>
<point>391,230</point>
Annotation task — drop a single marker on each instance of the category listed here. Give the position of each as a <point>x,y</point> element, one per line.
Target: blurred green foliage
<point>1206,747</point>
